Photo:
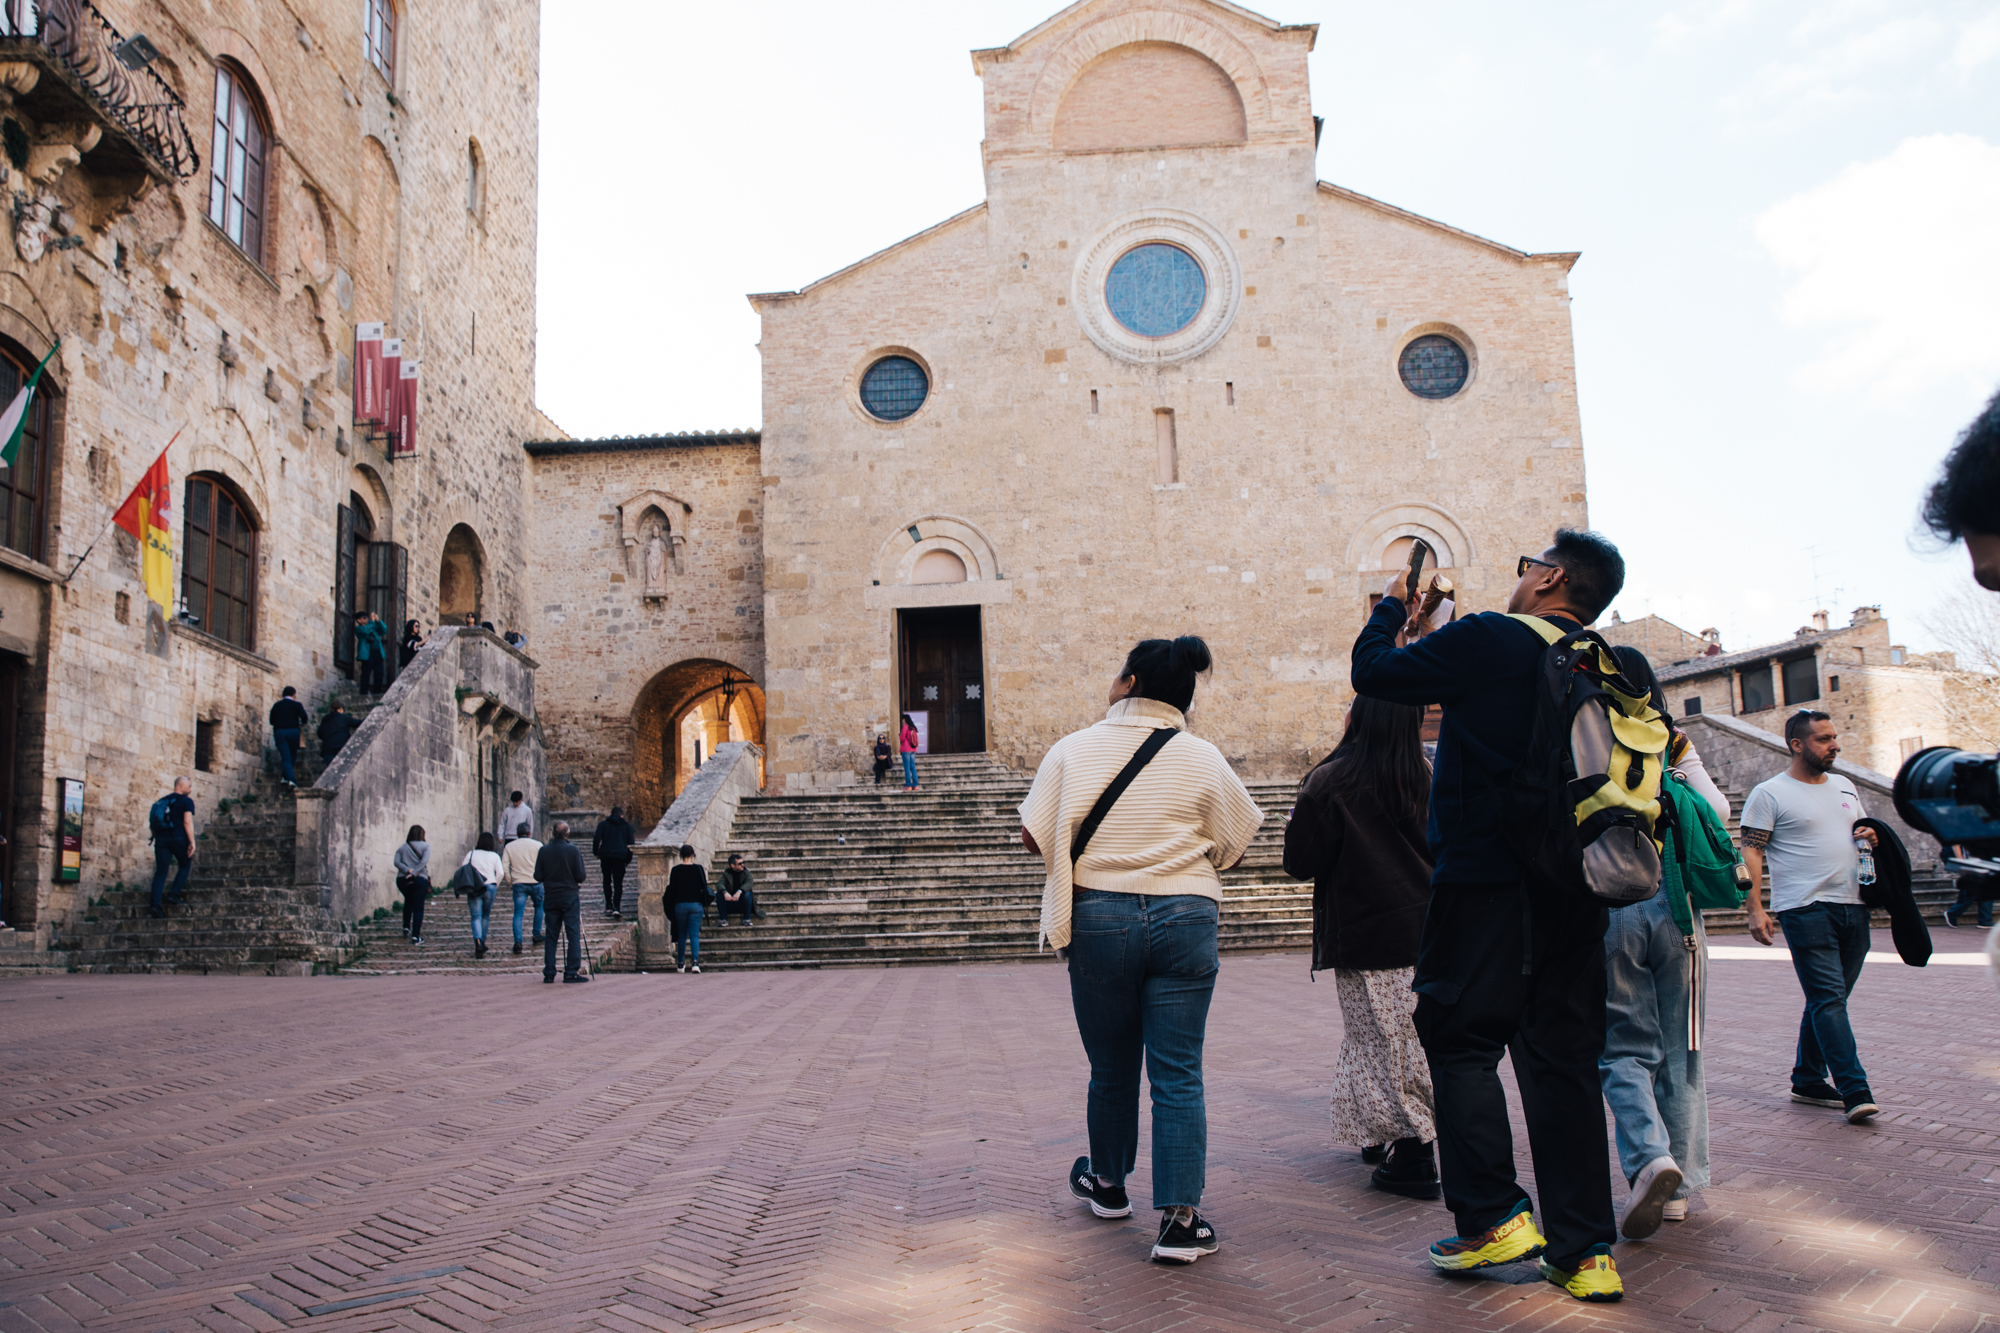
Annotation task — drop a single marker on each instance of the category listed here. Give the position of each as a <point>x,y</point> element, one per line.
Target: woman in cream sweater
<point>1134,915</point>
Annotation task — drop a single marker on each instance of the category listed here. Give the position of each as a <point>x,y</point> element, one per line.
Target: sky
<point>1787,307</point>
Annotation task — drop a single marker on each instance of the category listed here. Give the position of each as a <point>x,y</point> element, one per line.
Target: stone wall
<point>167,325</point>
<point>1300,457</point>
<point>619,667</point>
<point>465,703</point>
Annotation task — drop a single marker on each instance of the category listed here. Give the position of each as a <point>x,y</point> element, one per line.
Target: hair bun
<point>1190,653</point>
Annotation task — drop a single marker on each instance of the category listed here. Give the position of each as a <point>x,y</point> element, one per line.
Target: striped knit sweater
<point>1185,818</point>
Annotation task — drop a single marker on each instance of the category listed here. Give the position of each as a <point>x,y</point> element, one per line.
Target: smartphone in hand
<point>1419,552</point>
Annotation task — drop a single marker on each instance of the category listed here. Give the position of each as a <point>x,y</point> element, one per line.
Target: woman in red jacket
<point>908,745</point>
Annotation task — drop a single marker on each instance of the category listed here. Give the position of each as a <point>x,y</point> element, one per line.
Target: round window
<point>1155,289</point>
<point>894,388</point>
<point>1433,366</point>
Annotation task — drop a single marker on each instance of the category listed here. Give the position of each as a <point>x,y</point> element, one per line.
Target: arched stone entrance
<point>461,576</point>
<point>678,720</point>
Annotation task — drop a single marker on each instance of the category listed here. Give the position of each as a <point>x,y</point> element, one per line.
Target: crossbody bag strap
<point>1141,757</point>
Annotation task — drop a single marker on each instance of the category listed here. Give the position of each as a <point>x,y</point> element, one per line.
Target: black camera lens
<point>1951,795</point>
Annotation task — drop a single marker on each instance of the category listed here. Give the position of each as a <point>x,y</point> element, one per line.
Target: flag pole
<point>109,521</point>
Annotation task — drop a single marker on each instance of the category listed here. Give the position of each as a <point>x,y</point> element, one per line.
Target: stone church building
<point>1162,380</point>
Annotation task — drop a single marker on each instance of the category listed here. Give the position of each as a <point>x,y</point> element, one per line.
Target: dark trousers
<point>1502,968</point>
<point>565,914</point>
<point>165,853</point>
<point>881,770</point>
<point>416,891</point>
<point>288,752</point>
<point>373,674</point>
<point>1969,889</point>
<point>744,906</point>
<point>1829,943</point>
<point>613,875</point>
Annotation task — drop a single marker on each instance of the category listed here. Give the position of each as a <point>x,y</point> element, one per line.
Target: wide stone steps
<point>447,946</point>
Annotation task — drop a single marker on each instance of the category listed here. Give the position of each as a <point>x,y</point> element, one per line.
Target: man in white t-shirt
<point>1801,824</point>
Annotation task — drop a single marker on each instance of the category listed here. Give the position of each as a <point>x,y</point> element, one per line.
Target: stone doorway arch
<point>678,720</point>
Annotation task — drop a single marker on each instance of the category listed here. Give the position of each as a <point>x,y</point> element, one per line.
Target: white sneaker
<point>696,969</point>
<point>680,967</point>
<point>1652,1188</point>
<point>1675,1210</point>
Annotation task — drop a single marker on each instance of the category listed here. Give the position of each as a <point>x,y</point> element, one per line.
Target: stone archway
<point>676,717</point>
<point>461,576</point>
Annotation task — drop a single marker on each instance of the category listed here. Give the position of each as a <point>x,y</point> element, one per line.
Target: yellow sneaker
<point>1515,1238</point>
<point>1595,1277</point>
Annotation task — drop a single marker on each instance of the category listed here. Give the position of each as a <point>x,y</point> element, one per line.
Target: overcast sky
<point>1788,302</point>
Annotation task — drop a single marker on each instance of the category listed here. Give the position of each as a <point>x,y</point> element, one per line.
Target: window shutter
<point>343,589</point>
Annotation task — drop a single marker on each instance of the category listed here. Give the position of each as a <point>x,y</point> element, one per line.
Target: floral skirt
<point>1382,1082</point>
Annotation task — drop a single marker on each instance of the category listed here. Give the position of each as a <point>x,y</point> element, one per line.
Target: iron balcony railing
<point>113,75</point>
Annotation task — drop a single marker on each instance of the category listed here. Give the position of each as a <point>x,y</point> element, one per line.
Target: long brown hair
<point>1382,752</point>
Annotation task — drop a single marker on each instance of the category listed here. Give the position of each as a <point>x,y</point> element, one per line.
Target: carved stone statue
<point>656,561</point>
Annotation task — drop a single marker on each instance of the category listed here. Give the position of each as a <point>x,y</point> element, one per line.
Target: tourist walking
<point>519,858</point>
<point>517,813</point>
<point>412,644</point>
<point>611,844</point>
<point>288,725</point>
<point>484,861</point>
<point>1505,959</point>
<point>371,653</point>
<point>171,824</point>
<point>907,741</point>
<point>1358,833</point>
<point>1973,895</point>
<point>1656,984</point>
<point>559,870</point>
<point>334,730</point>
<point>1801,824</point>
<point>734,894</point>
<point>686,900</point>
<point>1135,818</point>
<point>413,880</point>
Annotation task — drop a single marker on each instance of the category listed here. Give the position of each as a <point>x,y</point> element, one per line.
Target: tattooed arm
<point>1763,927</point>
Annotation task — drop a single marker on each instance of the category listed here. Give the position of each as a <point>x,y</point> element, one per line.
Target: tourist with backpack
<point>1357,832</point>
<point>413,881</point>
<point>906,740</point>
<point>478,882</point>
<point>1135,820</point>
<point>1656,984</point>
<point>1512,951</point>
<point>171,825</point>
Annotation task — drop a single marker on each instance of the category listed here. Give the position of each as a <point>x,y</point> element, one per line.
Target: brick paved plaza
<point>884,1148</point>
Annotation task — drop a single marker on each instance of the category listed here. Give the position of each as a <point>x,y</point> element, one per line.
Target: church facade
<point>1161,381</point>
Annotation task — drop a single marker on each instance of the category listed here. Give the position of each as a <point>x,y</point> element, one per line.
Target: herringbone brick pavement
<point>884,1149</point>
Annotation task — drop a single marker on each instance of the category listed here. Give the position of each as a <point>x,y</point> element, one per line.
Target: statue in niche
<point>656,560</point>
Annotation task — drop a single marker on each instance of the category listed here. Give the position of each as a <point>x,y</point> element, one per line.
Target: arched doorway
<point>681,715</point>
<point>461,577</point>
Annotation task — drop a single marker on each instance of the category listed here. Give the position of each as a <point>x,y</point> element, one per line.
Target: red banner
<point>368,404</point>
<point>389,370</point>
<point>405,422</point>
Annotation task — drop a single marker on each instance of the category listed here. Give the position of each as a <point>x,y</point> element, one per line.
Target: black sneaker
<point>1104,1200</point>
<point>1184,1242</point>
<point>1375,1154</point>
<point>576,980</point>
<point>517,946</point>
<point>1818,1094</point>
<point>1860,1107</point>
<point>1411,1171</point>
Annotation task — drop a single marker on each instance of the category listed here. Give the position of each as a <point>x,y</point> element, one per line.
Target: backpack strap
<point>1550,634</point>
<point>1141,757</point>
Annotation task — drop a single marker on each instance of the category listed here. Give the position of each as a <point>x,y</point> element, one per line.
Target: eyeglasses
<point>1521,565</point>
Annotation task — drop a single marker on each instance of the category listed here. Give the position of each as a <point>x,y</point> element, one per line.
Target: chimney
<point>1865,615</point>
<point>1617,619</point>
<point>1713,635</point>
<point>1819,622</point>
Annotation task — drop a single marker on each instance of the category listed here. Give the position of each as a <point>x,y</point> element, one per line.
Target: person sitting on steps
<point>734,894</point>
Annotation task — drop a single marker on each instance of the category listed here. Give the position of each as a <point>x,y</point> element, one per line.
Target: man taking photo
<point>1801,824</point>
<point>1505,960</point>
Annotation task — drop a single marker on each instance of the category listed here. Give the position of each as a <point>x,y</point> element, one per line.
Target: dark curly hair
<point>1967,497</point>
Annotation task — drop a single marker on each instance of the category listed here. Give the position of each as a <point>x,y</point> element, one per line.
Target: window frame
<point>1769,692</point>
<point>209,539</point>
<point>40,434</point>
<point>1785,678</point>
<point>239,112</point>
<point>379,30</point>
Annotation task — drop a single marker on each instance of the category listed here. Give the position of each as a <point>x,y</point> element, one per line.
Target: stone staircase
<point>870,876</point>
<point>241,913</point>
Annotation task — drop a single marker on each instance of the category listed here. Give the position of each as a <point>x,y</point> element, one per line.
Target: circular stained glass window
<point>894,388</point>
<point>1155,289</point>
<point>1434,366</point>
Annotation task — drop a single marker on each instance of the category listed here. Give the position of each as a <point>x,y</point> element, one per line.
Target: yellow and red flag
<point>148,514</point>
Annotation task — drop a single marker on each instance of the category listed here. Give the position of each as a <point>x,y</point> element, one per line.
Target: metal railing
<point>114,73</point>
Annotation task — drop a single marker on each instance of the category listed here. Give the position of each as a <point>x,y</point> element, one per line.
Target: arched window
<point>379,37</point>
<point>475,181</point>
<point>219,564</point>
<point>236,162</point>
<point>24,487</point>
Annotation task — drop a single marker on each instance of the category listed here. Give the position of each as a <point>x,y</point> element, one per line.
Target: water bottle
<point>1867,858</point>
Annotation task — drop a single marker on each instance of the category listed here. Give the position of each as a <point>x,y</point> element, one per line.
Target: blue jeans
<point>482,910</point>
<point>1829,942</point>
<point>687,920</point>
<point>1141,972</point>
<point>165,853</point>
<point>523,892</point>
<point>909,768</point>
<point>1651,1067</point>
<point>288,750</point>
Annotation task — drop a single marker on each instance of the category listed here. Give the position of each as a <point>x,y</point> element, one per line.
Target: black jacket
<point>687,883</point>
<point>1483,669</point>
<point>1891,893</point>
<point>559,866</point>
<point>734,880</point>
<point>613,840</point>
<point>288,715</point>
<point>334,729</point>
<point>1371,874</point>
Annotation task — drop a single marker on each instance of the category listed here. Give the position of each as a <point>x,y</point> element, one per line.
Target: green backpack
<point>1700,862</point>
